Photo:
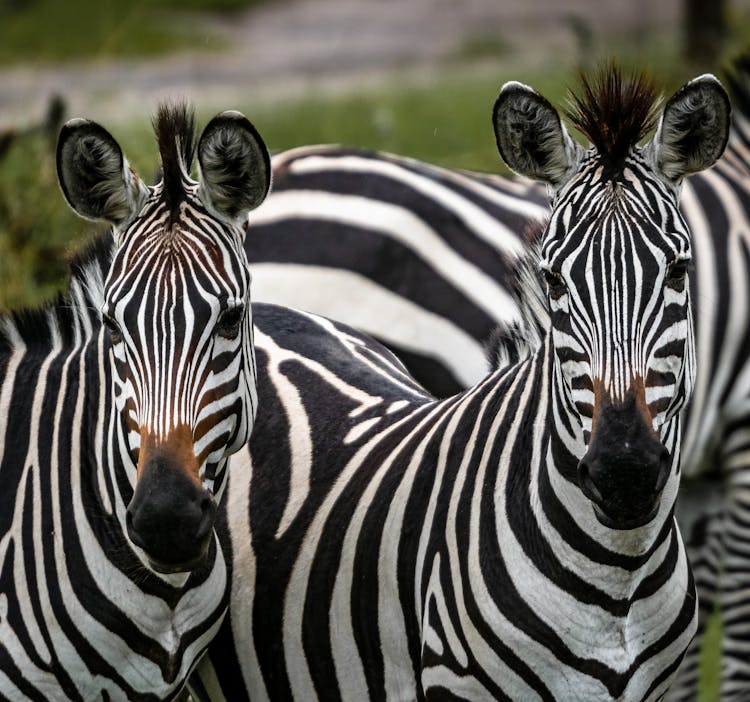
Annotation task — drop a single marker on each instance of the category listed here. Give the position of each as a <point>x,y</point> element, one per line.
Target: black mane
<point>174,125</point>
<point>512,343</point>
<point>614,111</point>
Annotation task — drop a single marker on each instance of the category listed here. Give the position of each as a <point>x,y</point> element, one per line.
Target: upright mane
<point>614,111</point>
<point>174,125</point>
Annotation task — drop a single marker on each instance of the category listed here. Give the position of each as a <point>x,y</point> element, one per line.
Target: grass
<point>708,689</point>
<point>36,228</point>
<point>39,31</point>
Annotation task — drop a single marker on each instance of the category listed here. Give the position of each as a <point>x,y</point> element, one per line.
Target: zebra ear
<point>694,128</point>
<point>235,169</point>
<point>530,136</point>
<point>94,176</point>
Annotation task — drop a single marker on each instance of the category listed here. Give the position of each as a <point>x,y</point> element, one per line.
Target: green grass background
<point>43,31</point>
<point>444,120</point>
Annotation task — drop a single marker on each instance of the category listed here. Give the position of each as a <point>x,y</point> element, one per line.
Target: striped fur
<point>439,322</point>
<point>395,247</point>
<point>130,375</point>
<point>388,545</point>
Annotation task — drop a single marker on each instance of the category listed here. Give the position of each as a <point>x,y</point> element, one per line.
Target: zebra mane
<point>614,111</point>
<point>71,317</point>
<point>174,125</point>
<point>511,344</point>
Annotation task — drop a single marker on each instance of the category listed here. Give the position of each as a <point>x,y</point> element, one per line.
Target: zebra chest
<point>520,635</point>
<point>510,663</point>
<point>84,631</point>
<point>70,670</point>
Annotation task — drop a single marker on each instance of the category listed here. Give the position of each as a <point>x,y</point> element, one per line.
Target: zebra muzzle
<point>624,469</point>
<point>170,517</point>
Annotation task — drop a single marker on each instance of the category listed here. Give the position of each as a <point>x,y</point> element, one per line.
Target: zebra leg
<point>700,516</point>
<point>183,696</point>
<point>735,581</point>
<point>203,684</point>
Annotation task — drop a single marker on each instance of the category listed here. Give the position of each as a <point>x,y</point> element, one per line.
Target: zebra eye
<point>230,321</point>
<point>677,272</point>
<point>115,335</point>
<point>555,283</point>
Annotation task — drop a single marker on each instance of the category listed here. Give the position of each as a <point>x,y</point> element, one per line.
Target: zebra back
<point>403,250</point>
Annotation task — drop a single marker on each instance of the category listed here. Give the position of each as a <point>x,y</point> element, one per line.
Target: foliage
<point>49,30</point>
<point>36,228</point>
<point>708,690</point>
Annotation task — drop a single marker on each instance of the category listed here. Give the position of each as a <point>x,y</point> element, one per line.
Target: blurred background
<point>416,78</point>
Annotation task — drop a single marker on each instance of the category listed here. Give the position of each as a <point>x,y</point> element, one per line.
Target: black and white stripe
<point>439,323</point>
<point>386,545</point>
<point>396,247</point>
<point>103,597</point>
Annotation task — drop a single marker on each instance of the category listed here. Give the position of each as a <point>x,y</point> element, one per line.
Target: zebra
<point>415,255</point>
<point>425,255</point>
<point>515,541</point>
<point>121,403</point>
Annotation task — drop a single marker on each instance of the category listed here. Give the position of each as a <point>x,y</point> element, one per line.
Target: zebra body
<point>407,552</point>
<point>112,581</point>
<point>441,324</point>
<point>413,254</point>
<point>515,541</point>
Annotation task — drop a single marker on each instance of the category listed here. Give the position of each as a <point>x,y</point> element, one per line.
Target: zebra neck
<point>528,528</point>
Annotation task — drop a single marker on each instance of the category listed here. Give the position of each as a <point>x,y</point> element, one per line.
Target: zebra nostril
<point>665,464</point>
<point>593,480</point>
<point>207,508</point>
<point>133,533</point>
<point>586,482</point>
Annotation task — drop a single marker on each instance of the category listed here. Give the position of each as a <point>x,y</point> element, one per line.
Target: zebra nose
<point>624,480</point>
<point>170,517</point>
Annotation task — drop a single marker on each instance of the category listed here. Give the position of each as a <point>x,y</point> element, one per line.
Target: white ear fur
<point>94,175</point>
<point>693,129</point>
<point>531,138</point>
<point>235,168</point>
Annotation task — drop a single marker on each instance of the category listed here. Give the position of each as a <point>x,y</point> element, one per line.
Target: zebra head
<point>615,256</point>
<point>177,315</point>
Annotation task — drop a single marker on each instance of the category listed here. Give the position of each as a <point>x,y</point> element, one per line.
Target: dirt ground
<point>292,46</point>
